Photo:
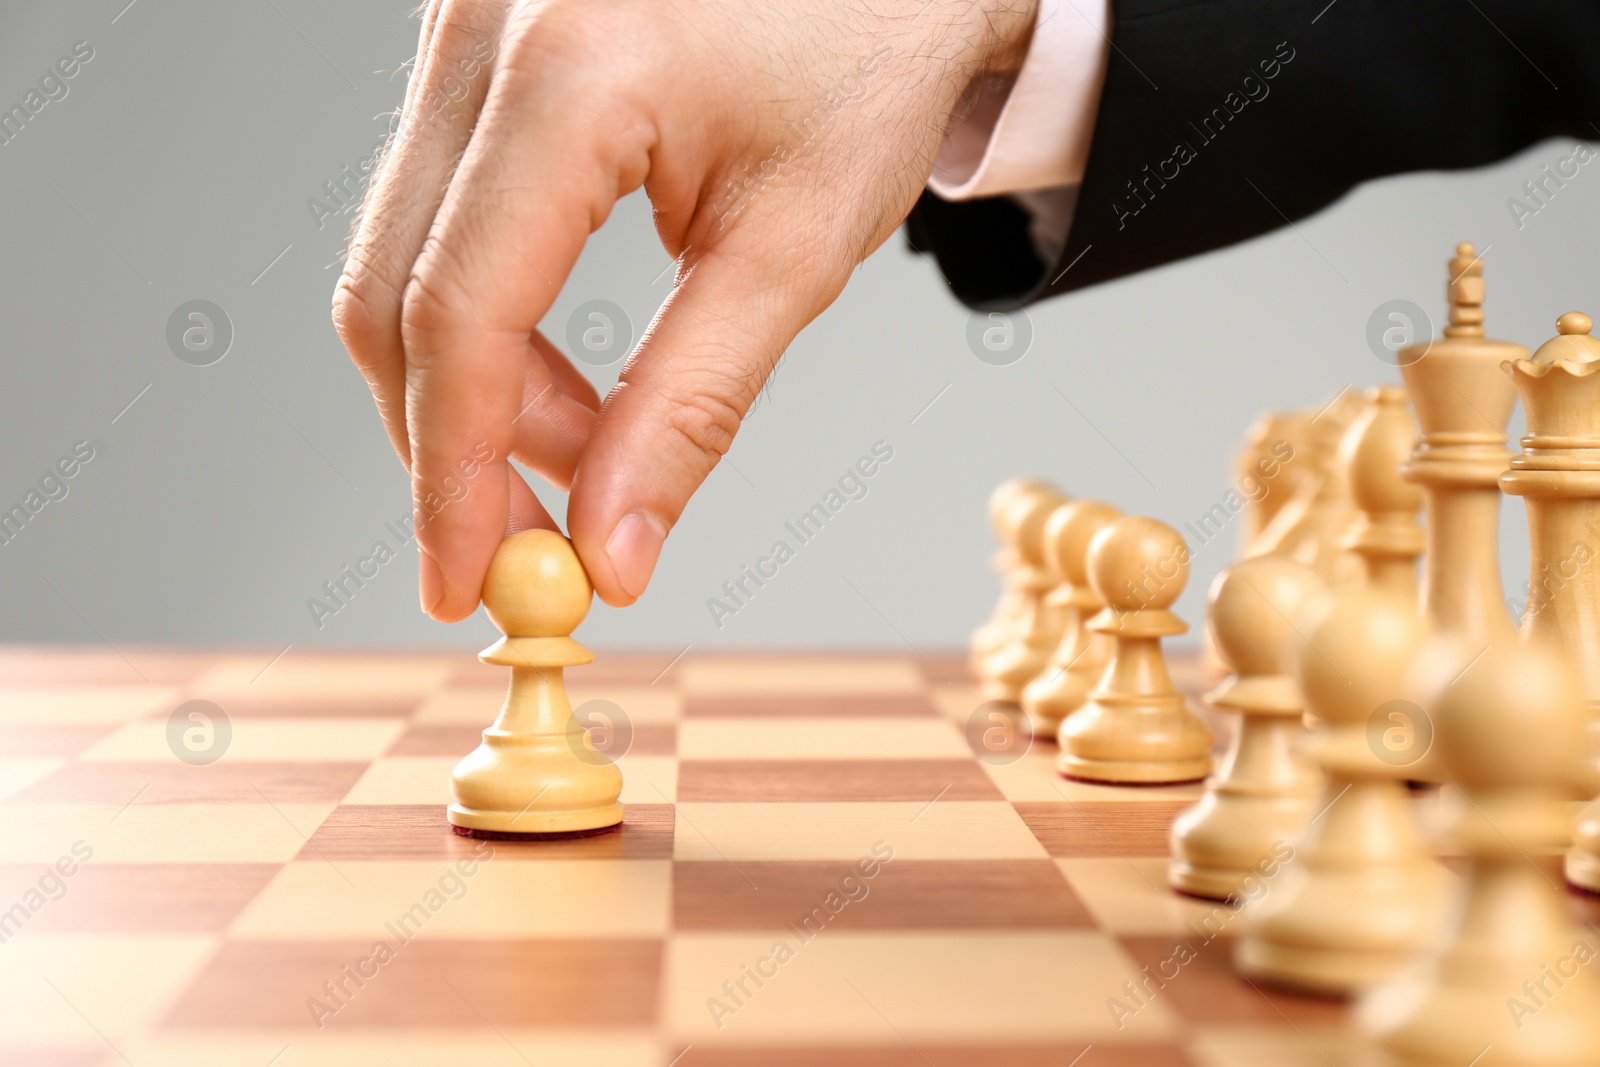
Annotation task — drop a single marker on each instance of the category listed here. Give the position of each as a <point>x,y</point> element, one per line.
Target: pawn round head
<point>1253,609</point>
<point>1025,516</point>
<point>1355,651</point>
<point>1000,500</point>
<point>1068,533</point>
<point>1138,562</point>
<point>536,586</point>
<point>1513,719</point>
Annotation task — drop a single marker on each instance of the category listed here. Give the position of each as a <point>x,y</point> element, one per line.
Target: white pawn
<point>1036,627</point>
<point>1063,685</point>
<point>1136,726</point>
<point>1359,897</point>
<point>997,630</point>
<point>1265,790</point>
<point>1516,986</point>
<point>536,771</point>
<point>1014,508</point>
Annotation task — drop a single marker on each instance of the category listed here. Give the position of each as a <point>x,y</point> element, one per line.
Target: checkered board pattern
<point>219,903</point>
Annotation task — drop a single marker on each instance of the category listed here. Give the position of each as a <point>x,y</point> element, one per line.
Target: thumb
<point>679,403</point>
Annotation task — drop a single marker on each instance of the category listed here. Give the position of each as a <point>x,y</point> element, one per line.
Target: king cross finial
<point>1465,292</point>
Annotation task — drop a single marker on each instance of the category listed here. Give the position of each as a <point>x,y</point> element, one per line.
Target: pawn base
<point>1207,883</point>
<point>538,822</point>
<point>1050,699</point>
<point>1583,871</point>
<point>1134,772</point>
<point>502,835</point>
<point>1325,972</point>
<point>527,783</point>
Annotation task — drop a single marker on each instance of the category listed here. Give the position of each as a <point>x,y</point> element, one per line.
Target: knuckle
<point>357,316</point>
<point>433,302</point>
<point>706,420</point>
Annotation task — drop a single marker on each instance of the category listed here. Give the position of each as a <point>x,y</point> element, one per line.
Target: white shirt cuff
<point>1031,132</point>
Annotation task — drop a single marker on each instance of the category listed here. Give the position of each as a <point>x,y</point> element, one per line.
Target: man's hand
<point>780,142</point>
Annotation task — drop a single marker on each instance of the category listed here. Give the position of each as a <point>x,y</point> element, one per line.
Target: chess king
<point>536,771</point>
<point>1463,402</point>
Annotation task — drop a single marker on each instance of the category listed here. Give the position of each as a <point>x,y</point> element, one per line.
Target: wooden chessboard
<point>220,898</point>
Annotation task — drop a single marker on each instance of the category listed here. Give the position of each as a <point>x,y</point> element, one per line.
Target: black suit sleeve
<point>1223,119</point>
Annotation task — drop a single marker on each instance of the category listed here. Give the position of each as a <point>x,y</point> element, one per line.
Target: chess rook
<point>536,771</point>
<point>1063,685</point>
<point>1385,534</point>
<point>1558,476</point>
<point>1136,727</point>
<point>1463,401</point>
<point>1508,982</point>
<point>1360,897</point>
<point>1265,791</point>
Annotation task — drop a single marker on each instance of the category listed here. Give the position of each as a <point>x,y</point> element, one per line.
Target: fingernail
<point>430,583</point>
<point>633,548</point>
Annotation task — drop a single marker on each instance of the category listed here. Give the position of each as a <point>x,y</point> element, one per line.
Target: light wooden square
<point>1034,777</point>
<point>819,738</point>
<point>890,988</point>
<point>405,780</point>
<point>316,676</point>
<point>82,705</point>
<point>261,740</point>
<point>649,779</point>
<point>733,676</point>
<point>17,773</point>
<point>69,989</point>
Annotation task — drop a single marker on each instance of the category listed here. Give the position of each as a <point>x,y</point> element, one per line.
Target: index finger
<point>537,177</point>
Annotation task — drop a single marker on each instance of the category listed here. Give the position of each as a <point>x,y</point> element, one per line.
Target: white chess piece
<point>1360,896</point>
<point>1265,790</point>
<point>1516,986</point>
<point>1136,726</point>
<point>536,770</point>
<point>1063,685</point>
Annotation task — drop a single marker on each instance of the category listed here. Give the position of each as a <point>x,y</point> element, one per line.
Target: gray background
<point>180,165</point>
